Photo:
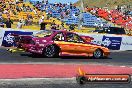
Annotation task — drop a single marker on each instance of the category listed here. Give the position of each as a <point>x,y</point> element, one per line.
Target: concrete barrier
<point>6,39</point>
<point>112,41</point>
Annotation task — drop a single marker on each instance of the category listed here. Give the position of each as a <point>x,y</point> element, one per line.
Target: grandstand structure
<point>17,11</point>
<point>66,13</point>
<point>113,16</point>
<point>70,14</point>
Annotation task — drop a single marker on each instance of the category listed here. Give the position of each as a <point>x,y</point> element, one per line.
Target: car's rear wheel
<point>98,53</point>
<point>51,51</point>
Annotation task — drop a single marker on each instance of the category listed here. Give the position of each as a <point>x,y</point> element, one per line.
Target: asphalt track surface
<point>122,58</point>
<point>118,58</point>
<point>56,83</point>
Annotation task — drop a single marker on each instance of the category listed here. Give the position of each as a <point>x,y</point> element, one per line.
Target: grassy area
<point>102,3</point>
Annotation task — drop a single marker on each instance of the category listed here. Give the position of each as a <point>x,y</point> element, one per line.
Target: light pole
<point>81,15</point>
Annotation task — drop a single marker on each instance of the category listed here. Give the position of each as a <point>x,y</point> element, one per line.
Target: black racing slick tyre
<point>98,53</point>
<point>51,51</point>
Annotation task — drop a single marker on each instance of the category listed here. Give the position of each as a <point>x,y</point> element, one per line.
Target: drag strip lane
<point>123,58</point>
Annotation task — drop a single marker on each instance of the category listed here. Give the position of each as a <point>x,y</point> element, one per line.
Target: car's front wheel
<point>98,54</point>
<point>51,51</point>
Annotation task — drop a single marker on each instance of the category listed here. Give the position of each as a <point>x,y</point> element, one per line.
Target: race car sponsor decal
<point>1,36</point>
<point>8,39</point>
<point>83,78</point>
<point>104,78</point>
<point>126,43</point>
<point>113,43</point>
<point>110,42</point>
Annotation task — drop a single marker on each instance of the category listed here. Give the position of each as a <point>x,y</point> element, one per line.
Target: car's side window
<point>70,37</point>
<point>59,37</point>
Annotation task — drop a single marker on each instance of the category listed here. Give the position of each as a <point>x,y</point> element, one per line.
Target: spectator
<point>26,22</point>
<point>53,25</point>
<point>43,26</point>
<point>30,21</point>
<point>42,17</point>
<point>23,21</point>
<point>29,16</point>
<point>57,27</point>
<point>8,23</point>
<point>41,21</point>
<point>5,11</point>
<point>72,27</point>
<point>1,22</point>
<point>19,24</point>
<point>61,26</point>
<point>35,12</point>
<point>48,16</point>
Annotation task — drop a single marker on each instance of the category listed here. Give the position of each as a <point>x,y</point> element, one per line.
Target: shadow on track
<point>81,57</point>
<point>61,57</point>
<point>32,55</point>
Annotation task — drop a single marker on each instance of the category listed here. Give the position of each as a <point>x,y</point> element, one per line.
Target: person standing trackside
<point>19,24</point>
<point>8,23</point>
<point>53,25</point>
<point>42,24</point>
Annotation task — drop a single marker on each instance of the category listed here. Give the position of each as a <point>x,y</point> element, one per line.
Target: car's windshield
<point>44,33</point>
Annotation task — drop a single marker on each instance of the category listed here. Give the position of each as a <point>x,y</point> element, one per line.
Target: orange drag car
<point>54,43</point>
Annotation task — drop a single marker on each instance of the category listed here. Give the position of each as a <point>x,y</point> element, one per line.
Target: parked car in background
<point>111,30</point>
